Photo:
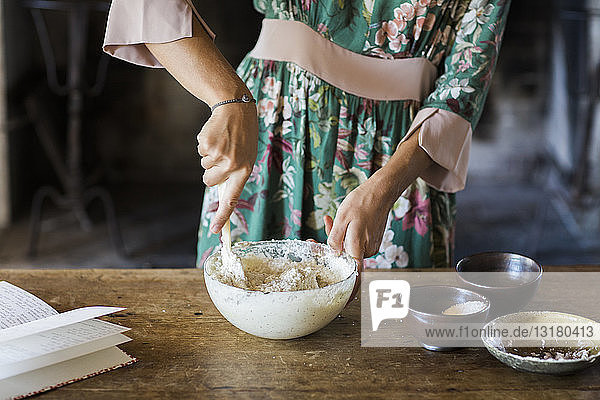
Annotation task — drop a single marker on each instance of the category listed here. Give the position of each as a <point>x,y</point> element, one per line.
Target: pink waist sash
<point>363,76</point>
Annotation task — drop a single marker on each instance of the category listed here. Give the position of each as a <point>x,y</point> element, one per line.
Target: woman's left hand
<point>361,218</point>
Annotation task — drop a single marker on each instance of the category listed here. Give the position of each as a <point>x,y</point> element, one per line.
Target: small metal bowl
<point>508,280</point>
<point>426,307</point>
<point>503,348</point>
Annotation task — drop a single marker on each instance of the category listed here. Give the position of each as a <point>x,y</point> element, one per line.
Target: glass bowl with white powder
<point>288,289</point>
<point>446,309</point>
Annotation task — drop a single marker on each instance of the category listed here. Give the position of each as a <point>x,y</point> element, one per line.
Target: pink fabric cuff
<point>132,23</point>
<point>446,138</point>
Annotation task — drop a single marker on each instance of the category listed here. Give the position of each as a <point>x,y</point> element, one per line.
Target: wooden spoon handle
<point>226,231</point>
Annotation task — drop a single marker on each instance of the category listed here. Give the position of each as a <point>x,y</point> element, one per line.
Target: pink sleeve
<point>435,126</point>
<point>132,23</point>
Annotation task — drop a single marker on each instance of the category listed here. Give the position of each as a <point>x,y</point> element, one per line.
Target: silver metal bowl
<point>508,280</point>
<point>426,307</point>
<point>282,315</point>
<point>503,348</point>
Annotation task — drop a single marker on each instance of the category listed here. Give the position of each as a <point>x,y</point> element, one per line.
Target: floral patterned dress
<point>317,143</point>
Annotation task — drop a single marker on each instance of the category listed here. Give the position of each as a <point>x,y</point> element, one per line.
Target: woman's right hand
<point>228,141</point>
<point>228,144</point>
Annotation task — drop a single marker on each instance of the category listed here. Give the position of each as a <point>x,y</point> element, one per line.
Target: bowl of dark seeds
<point>544,342</point>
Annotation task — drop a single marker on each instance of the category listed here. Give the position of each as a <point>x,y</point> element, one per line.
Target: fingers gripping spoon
<point>230,262</point>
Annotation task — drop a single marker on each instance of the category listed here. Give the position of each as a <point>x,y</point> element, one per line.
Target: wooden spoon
<point>230,260</point>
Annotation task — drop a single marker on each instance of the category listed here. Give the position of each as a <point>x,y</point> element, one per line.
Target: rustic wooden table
<point>187,350</point>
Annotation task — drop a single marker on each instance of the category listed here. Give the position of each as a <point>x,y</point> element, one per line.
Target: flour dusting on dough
<point>281,274</point>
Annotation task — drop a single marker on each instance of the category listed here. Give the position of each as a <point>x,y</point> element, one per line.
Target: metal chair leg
<point>111,217</point>
<point>36,214</point>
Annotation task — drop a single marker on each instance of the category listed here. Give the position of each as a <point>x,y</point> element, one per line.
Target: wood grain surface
<point>187,350</point>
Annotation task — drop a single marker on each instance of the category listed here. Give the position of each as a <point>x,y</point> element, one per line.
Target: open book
<point>41,349</point>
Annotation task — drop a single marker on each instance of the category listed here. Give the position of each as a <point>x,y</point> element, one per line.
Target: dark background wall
<point>24,67</point>
<point>142,127</point>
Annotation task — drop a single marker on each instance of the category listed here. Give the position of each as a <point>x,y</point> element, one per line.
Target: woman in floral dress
<point>376,177</point>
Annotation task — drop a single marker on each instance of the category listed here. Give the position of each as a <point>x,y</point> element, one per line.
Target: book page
<point>55,340</point>
<point>18,306</point>
<point>55,321</point>
<point>32,364</point>
<point>60,374</point>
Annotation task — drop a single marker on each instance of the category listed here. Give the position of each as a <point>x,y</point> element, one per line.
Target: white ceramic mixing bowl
<point>282,315</point>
